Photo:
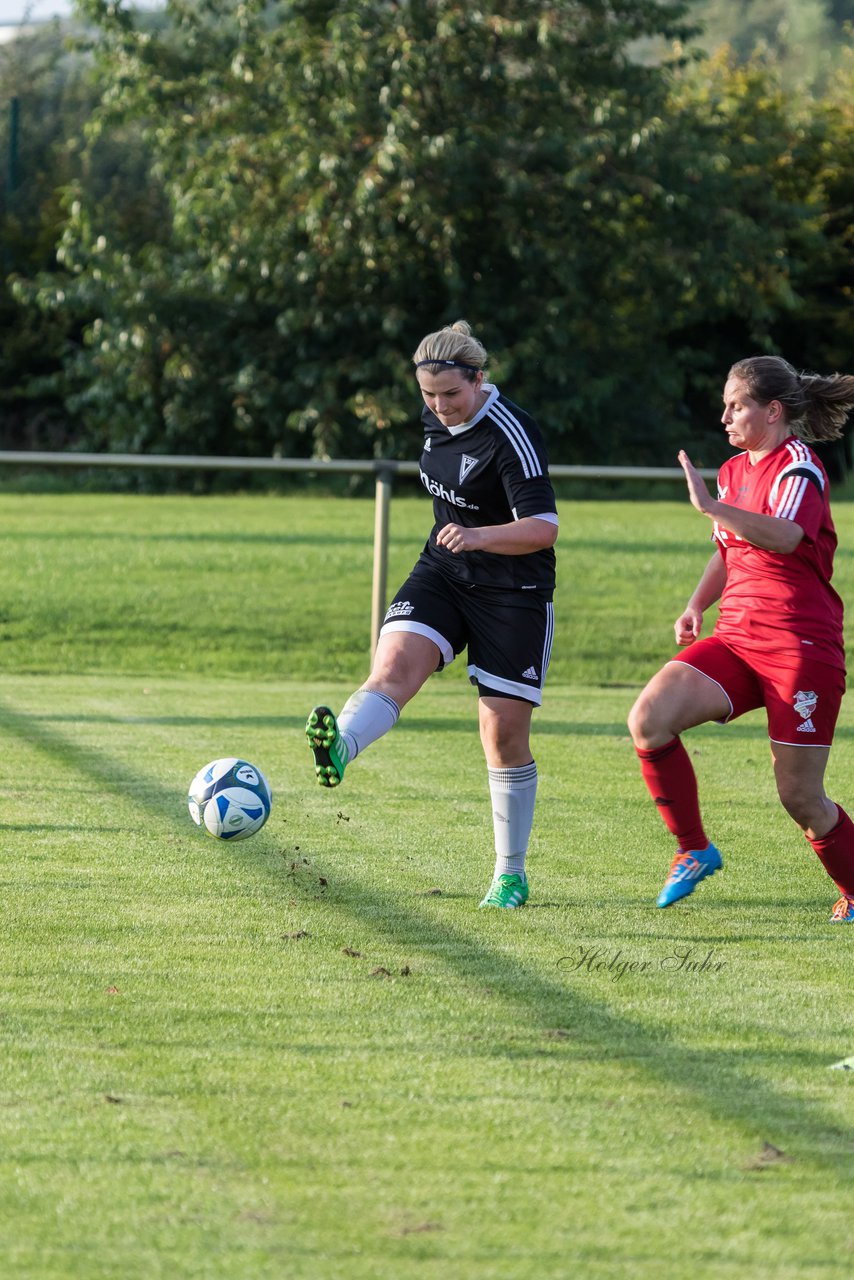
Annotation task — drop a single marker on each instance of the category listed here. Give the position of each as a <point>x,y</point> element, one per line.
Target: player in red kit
<point>777,642</point>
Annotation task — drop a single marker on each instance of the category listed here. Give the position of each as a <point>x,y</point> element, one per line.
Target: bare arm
<point>771,533</point>
<point>516,539</point>
<point>689,623</point>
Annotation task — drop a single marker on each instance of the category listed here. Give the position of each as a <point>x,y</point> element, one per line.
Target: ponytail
<point>816,406</point>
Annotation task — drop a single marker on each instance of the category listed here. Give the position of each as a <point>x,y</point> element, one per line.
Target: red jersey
<point>774,602</point>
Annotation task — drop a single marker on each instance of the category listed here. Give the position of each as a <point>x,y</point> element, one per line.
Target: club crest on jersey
<point>467,464</point>
<point>805,705</point>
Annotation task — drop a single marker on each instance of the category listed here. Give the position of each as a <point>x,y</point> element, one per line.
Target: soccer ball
<point>230,799</point>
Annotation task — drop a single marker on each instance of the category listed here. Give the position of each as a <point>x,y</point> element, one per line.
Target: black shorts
<point>508,633</point>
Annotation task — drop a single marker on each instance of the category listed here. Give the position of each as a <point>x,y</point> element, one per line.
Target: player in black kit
<point>484,582</point>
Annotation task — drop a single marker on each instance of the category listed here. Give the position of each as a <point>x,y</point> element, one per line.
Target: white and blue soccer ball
<point>230,799</point>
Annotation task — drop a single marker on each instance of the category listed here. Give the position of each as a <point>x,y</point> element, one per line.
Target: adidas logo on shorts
<point>530,674</point>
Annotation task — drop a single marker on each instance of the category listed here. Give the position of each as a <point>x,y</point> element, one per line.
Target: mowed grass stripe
<point>279,587</point>
<point>377,1107</point>
<point>206,1070</point>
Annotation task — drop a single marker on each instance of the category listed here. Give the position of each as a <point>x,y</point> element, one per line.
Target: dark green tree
<point>732,225</point>
<point>340,177</point>
<point>46,100</point>
<point>278,200</point>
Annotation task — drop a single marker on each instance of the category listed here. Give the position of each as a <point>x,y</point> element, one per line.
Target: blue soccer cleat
<point>843,911</point>
<point>686,871</point>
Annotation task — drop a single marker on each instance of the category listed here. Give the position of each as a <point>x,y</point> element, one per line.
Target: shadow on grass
<point>33,827</point>
<point>112,777</point>
<point>308,539</point>
<point>414,723</point>
<point>570,1022</point>
<point>258,722</point>
<point>722,1082</point>
<point>706,733</point>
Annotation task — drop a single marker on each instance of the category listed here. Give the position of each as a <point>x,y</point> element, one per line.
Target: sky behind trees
<point>15,11</point>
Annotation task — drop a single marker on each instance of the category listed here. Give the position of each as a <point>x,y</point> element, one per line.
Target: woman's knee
<point>505,731</point>
<point>804,806</point>
<point>402,663</point>
<point>647,721</point>
<point>502,741</point>
<point>676,699</point>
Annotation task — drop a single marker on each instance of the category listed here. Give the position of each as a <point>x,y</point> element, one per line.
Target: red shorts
<point>802,696</point>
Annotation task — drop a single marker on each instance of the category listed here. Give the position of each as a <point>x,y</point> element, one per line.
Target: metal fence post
<point>380,576</point>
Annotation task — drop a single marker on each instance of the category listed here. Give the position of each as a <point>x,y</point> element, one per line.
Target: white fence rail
<point>384,469</point>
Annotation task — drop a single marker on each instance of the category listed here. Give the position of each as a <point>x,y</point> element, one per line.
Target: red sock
<point>669,775</point>
<point>836,853</point>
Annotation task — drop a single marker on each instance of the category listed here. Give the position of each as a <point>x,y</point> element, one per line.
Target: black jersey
<point>493,470</point>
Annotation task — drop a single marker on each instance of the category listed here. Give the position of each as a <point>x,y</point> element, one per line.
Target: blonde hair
<point>454,345</point>
<point>816,406</point>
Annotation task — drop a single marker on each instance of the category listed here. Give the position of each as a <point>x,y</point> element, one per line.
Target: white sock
<point>513,794</point>
<point>366,716</point>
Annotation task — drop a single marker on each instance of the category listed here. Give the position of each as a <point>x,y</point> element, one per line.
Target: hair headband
<point>452,364</point>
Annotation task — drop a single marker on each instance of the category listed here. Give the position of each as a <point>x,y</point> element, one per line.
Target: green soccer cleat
<point>507,891</point>
<point>327,745</point>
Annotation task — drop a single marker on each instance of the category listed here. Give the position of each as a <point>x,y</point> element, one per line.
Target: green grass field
<point>308,1055</point>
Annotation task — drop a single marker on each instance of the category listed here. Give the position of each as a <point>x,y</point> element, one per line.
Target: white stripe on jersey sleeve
<point>550,517</point>
<point>786,505</point>
<point>515,433</point>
